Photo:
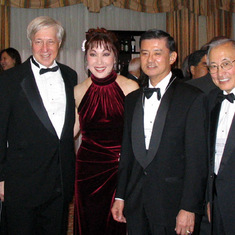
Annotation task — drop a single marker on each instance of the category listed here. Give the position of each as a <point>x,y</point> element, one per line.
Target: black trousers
<point>139,224</point>
<point>50,218</point>
<point>217,223</point>
<point>3,229</point>
<point>205,225</point>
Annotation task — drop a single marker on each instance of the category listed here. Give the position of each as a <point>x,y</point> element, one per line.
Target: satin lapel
<point>138,140</point>
<point>159,124</point>
<point>214,118</point>
<point>229,147</point>
<point>69,102</point>
<point>30,88</point>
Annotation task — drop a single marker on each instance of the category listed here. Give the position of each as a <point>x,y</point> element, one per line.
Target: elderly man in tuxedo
<point>221,58</point>
<point>36,141</point>
<point>163,163</point>
<point>134,69</point>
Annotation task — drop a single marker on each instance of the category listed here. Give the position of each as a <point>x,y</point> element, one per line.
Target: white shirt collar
<point>43,66</point>
<point>162,84</point>
<point>232,91</point>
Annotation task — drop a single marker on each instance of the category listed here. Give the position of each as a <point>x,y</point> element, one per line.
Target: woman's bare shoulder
<point>80,90</point>
<point>127,85</point>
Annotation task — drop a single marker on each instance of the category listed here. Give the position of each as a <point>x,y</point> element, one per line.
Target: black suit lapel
<point>30,88</point>
<point>229,147</point>
<point>214,118</point>
<point>138,139</point>
<point>70,106</point>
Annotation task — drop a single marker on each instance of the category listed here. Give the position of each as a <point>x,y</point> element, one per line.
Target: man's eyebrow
<point>153,50</point>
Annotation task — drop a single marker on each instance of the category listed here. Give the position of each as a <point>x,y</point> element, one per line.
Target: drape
<point>219,18</point>
<point>183,26</point>
<point>150,6</point>
<point>5,25</point>
<point>200,7</point>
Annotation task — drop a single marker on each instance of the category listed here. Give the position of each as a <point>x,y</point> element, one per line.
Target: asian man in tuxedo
<point>36,142</point>
<point>221,58</point>
<point>163,163</point>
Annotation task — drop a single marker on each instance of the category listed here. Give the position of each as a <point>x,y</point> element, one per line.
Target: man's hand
<point>185,222</point>
<point>117,211</point>
<point>208,212</point>
<point>2,191</point>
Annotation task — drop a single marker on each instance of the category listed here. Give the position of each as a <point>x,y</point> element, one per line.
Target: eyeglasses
<point>226,65</point>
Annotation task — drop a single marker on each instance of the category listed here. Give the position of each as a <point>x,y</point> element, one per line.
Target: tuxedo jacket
<point>204,83</point>
<point>36,162</point>
<point>171,175</point>
<point>132,77</point>
<point>224,184</point>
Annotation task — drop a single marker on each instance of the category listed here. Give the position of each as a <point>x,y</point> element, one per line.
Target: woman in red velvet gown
<point>100,107</point>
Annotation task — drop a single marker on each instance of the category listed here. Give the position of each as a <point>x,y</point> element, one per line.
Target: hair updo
<point>101,37</point>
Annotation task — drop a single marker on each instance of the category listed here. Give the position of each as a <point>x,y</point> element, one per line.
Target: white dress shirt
<point>52,90</point>
<point>151,106</point>
<point>225,120</point>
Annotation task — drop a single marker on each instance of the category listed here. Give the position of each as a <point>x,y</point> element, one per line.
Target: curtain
<point>5,26</point>
<point>92,5</point>
<point>219,18</point>
<point>150,6</point>
<point>76,21</point>
<point>183,26</point>
<point>233,24</point>
<point>219,23</point>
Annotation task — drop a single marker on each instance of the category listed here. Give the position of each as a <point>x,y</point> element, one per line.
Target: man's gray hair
<point>43,22</point>
<point>218,43</point>
<point>134,64</point>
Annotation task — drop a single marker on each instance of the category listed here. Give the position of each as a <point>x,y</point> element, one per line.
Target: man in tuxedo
<point>221,58</point>
<point>37,113</point>
<point>197,64</point>
<point>204,83</point>
<point>163,164</point>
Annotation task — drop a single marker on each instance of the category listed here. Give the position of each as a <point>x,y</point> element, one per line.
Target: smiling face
<point>224,79</point>
<point>6,61</point>
<point>100,61</point>
<point>156,59</point>
<point>45,46</point>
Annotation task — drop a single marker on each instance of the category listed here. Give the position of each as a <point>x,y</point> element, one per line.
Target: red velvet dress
<point>101,123</point>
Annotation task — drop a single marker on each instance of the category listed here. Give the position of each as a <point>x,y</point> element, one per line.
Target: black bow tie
<point>230,97</point>
<point>149,91</point>
<point>54,69</point>
<point>42,71</point>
